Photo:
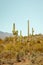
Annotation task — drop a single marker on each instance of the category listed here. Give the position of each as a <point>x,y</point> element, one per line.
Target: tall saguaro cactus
<point>28,27</point>
<point>20,33</point>
<point>13,28</point>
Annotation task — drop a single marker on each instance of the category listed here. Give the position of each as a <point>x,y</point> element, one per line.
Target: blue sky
<point>19,12</point>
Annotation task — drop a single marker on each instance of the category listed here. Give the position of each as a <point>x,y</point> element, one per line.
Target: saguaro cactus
<point>32,31</point>
<point>28,27</point>
<point>14,32</point>
<point>20,33</point>
<point>13,28</point>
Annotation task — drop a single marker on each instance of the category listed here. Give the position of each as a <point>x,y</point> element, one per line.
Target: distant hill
<point>4,34</point>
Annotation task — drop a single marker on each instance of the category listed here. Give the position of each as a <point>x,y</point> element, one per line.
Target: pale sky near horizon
<point>19,12</point>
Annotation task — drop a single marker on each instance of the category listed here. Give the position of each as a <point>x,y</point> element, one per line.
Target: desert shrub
<point>8,39</point>
<point>1,48</point>
<point>9,46</point>
<point>1,41</point>
<point>38,41</point>
<point>20,56</point>
<point>36,47</point>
